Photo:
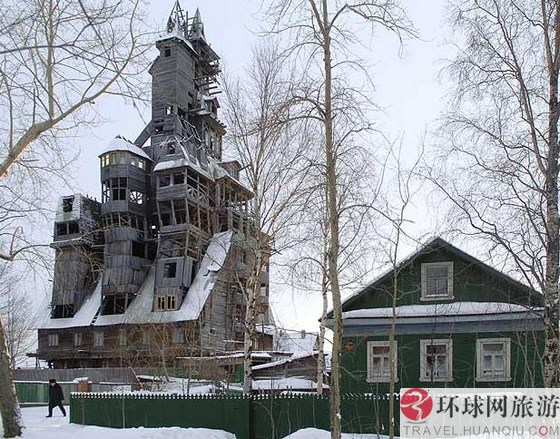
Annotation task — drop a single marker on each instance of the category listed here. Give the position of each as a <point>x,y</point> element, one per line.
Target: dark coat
<point>56,396</point>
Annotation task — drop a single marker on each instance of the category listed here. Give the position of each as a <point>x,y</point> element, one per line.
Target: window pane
<point>499,366</point>
<point>436,349</point>
<point>493,347</point>
<point>441,366</point>
<point>437,272</point>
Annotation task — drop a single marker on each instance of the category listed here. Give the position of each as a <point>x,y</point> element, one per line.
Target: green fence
<point>37,393</point>
<point>255,417</point>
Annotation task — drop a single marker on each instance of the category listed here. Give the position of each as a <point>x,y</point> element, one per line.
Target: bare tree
<point>322,33</point>
<point>391,224</point>
<point>499,162</point>
<point>57,58</point>
<point>270,151</point>
<point>14,311</point>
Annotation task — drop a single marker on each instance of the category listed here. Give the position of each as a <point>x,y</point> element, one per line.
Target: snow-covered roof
<point>290,383</point>
<point>175,33</point>
<point>83,317</point>
<point>120,144</point>
<point>440,309</point>
<point>294,357</point>
<point>141,309</point>
<point>298,342</point>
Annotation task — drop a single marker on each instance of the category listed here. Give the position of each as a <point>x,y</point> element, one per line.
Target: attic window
<point>171,147</point>
<point>166,303</point>
<point>437,281</point>
<point>67,204</point>
<point>169,270</point>
<point>167,52</point>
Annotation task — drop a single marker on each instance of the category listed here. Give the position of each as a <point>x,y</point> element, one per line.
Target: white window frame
<point>98,339</point>
<point>371,378</point>
<point>53,339</point>
<point>507,359</point>
<point>424,360</point>
<point>78,339</point>
<point>424,284</point>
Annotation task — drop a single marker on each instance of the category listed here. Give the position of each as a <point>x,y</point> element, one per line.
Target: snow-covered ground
<point>58,427</point>
<point>314,433</point>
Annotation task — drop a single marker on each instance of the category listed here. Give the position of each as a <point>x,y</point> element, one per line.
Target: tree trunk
<point>9,407</point>
<point>249,336</point>
<point>332,211</point>
<point>324,293</point>
<point>551,357</point>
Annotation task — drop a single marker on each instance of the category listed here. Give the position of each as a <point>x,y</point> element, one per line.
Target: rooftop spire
<point>177,22</point>
<point>197,27</point>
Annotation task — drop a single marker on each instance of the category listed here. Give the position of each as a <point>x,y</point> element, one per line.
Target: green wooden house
<point>458,323</point>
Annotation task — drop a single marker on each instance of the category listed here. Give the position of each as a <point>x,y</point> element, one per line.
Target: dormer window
<point>171,148</point>
<point>437,281</point>
<point>67,204</point>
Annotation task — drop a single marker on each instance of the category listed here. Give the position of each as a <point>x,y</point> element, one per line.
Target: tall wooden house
<point>458,323</point>
<point>153,271</point>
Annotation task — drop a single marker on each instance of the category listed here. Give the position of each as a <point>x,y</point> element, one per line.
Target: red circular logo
<point>416,404</point>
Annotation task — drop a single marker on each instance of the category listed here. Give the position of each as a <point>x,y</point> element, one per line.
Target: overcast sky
<point>406,84</point>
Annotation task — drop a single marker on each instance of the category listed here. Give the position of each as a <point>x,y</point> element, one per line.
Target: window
<point>180,209</point>
<point>165,303</point>
<point>137,162</point>
<point>436,360</point>
<point>118,188</point>
<point>136,197</point>
<point>178,178</point>
<point>114,189</point>
<point>164,180</point>
<point>167,52</point>
<point>169,270</point>
<point>122,337</point>
<point>78,339</point>
<point>379,361</point>
<point>165,213</point>
<point>68,228</point>
<point>138,249</point>
<point>178,335</point>
<point>493,359</point>
<point>53,339</point>
<point>437,281</point>
<point>171,147</point>
<point>73,228</point>
<point>98,339</point>
<point>67,204</point>
<point>109,159</point>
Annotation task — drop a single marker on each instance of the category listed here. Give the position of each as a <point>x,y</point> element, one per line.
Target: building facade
<point>155,270</point>
<point>457,323</point>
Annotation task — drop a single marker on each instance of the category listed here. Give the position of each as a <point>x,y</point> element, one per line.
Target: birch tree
<point>57,59</point>
<point>270,150</point>
<point>322,32</point>
<point>499,161</point>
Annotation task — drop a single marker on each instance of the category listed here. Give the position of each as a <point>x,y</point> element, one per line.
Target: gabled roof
<point>437,243</point>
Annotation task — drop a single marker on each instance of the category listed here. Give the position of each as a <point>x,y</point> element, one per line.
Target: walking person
<point>56,396</point>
